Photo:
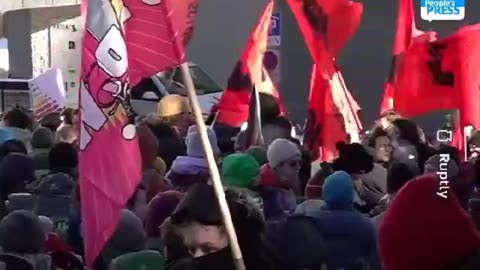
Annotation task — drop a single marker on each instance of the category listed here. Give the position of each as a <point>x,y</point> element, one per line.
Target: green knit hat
<point>240,170</point>
<point>259,153</point>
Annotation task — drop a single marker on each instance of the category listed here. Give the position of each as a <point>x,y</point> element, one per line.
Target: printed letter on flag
<point>110,165</point>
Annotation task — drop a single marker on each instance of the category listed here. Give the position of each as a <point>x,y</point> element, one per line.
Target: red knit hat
<point>423,231</point>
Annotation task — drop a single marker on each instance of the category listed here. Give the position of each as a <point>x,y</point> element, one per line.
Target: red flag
<point>458,140</point>
<point>406,33</point>
<point>185,13</point>
<point>154,35</point>
<point>234,104</point>
<point>332,115</point>
<point>107,137</point>
<point>326,25</point>
<point>441,75</point>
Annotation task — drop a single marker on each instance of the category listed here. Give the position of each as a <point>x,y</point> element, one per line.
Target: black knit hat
<point>352,158</point>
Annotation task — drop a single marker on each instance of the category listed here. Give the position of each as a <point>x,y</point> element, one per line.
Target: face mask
<point>220,260</point>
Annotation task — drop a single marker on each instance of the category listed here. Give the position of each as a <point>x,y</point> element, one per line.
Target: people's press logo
<point>442,10</point>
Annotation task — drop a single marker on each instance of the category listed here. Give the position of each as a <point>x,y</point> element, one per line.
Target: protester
<point>151,179</point>
<point>6,134</point>
<point>350,237</point>
<point>63,158</point>
<point>17,121</point>
<point>22,235</point>
<point>356,161</point>
<point>159,209</point>
<point>175,111</point>
<point>67,134</point>
<point>201,225</point>
<point>68,114</point>
<point>42,142</point>
<point>241,172</point>
<point>381,144</point>
<point>193,168</point>
<point>129,237</point>
<point>171,144</point>
<point>441,236</point>
<point>398,175</point>
<point>407,143</point>
<point>51,121</point>
<point>259,153</point>
<point>12,146</point>
<point>279,179</point>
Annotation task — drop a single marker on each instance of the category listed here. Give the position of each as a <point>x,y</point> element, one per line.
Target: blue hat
<point>6,134</point>
<point>338,190</point>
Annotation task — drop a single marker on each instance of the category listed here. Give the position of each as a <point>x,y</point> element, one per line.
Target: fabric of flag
<point>48,93</point>
<point>441,75</point>
<point>326,25</point>
<point>405,34</point>
<point>110,162</point>
<point>185,14</point>
<point>332,115</point>
<point>249,71</point>
<point>153,35</point>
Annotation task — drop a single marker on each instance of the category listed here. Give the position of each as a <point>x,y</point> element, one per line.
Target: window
<point>203,83</point>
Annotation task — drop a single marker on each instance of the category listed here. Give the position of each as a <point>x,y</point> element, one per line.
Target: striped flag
<point>154,36</point>
<point>110,163</point>
<point>48,93</point>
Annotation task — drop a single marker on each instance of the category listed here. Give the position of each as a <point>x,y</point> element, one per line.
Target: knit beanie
<point>159,209</point>
<point>22,232</point>
<point>194,142</point>
<point>282,150</point>
<point>42,138</point>
<point>172,105</point>
<point>240,170</point>
<point>6,134</point>
<point>338,190</point>
<point>424,231</point>
<point>259,153</point>
<point>352,158</point>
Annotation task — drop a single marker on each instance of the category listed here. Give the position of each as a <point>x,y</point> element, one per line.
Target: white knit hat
<point>282,150</point>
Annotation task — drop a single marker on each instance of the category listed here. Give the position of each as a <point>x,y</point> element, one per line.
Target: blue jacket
<point>350,238</point>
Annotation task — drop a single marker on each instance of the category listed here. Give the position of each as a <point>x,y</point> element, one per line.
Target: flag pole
<point>217,183</point>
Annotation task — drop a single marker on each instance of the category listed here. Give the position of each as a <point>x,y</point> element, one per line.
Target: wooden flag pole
<point>217,183</point>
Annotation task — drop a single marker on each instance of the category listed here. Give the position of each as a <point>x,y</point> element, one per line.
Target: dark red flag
<point>233,107</point>
<point>332,116</point>
<point>406,33</point>
<point>326,25</point>
<point>441,75</point>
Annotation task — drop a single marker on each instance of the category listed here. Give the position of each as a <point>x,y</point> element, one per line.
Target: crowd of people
<point>376,206</point>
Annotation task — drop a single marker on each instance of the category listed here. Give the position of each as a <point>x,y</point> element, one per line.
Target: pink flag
<point>110,163</point>
<point>154,36</point>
